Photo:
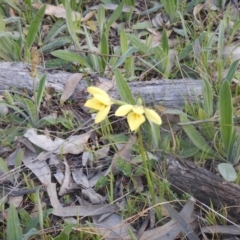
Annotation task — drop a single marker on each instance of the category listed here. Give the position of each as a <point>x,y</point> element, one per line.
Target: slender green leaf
<point>41,88</point>
<point>231,71</point>
<point>137,43</point>
<point>207,97</point>
<point>34,26</point>
<point>226,116</point>
<point>206,127</point>
<point>14,230</point>
<point>123,88</point>
<point>101,18</point>
<point>70,24</point>
<point>123,58</point>
<point>195,136</point>
<point>221,38</point>
<point>123,41</point>
<point>71,57</point>
<point>115,15</point>
<point>93,57</point>
<point>56,44</point>
<point>104,51</point>
<point>32,111</point>
<point>165,45</point>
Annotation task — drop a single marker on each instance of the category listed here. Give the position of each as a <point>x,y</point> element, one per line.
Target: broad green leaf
<point>221,38</point>
<point>14,230</point>
<point>123,41</point>
<point>227,171</point>
<point>101,18</point>
<point>41,88</point>
<point>34,27</point>
<point>195,136</point>
<point>171,8</point>
<point>71,57</point>
<point>137,43</point>
<point>226,116</point>
<point>231,71</point>
<point>104,51</point>
<point>165,45</point>
<point>123,88</point>
<point>188,152</point>
<point>207,97</point>
<point>155,132</point>
<point>142,25</point>
<point>123,58</point>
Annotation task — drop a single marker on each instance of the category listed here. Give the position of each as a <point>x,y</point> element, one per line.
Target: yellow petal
<point>123,110</point>
<point>104,99</point>
<point>152,116</point>
<point>138,109</point>
<point>96,90</point>
<point>135,120</point>
<point>102,114</point>
<point>93,103</point>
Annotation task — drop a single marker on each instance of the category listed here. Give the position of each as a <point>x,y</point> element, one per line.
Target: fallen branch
<point>169,93</point>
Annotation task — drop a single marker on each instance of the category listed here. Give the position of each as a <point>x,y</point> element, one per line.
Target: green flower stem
<point>145,165</point>
<point>117,102</point>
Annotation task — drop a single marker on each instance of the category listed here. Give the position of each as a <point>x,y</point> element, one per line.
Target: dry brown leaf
<point>70,86</point>
<point>161,20</point>
<point>74,144</point>
<point>59,12</point>
<point>80,178</point>
<point>107,85</point>
<point>39,168</point>
<point>113,227</point>
<point>66,181</point>
<point>84,211</point>
<point>171,229</point>
<point>94,197</point>
<point>52,193</point>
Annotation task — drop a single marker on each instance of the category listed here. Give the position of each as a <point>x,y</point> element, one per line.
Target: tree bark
<point>168,93</point>
<point>205,186</point>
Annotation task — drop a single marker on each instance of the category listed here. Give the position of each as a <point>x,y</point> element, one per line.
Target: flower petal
<point>93,103</point>
<point>102,114</point>
<point>106,100</point>
<point>123,110</point>
<point>138,109</point>
<point>152,116</point>
<point>135,120</point>
<point>96,90</point>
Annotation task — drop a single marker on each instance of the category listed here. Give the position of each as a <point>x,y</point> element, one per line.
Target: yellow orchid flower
<point>100,102</point>
<point>135,115</point>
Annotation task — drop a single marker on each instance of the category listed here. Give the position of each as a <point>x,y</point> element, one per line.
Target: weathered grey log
<point>205,186</point>
<point>169,93</point>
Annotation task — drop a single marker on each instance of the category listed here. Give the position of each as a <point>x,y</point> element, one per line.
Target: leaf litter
<point>60,151</point>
